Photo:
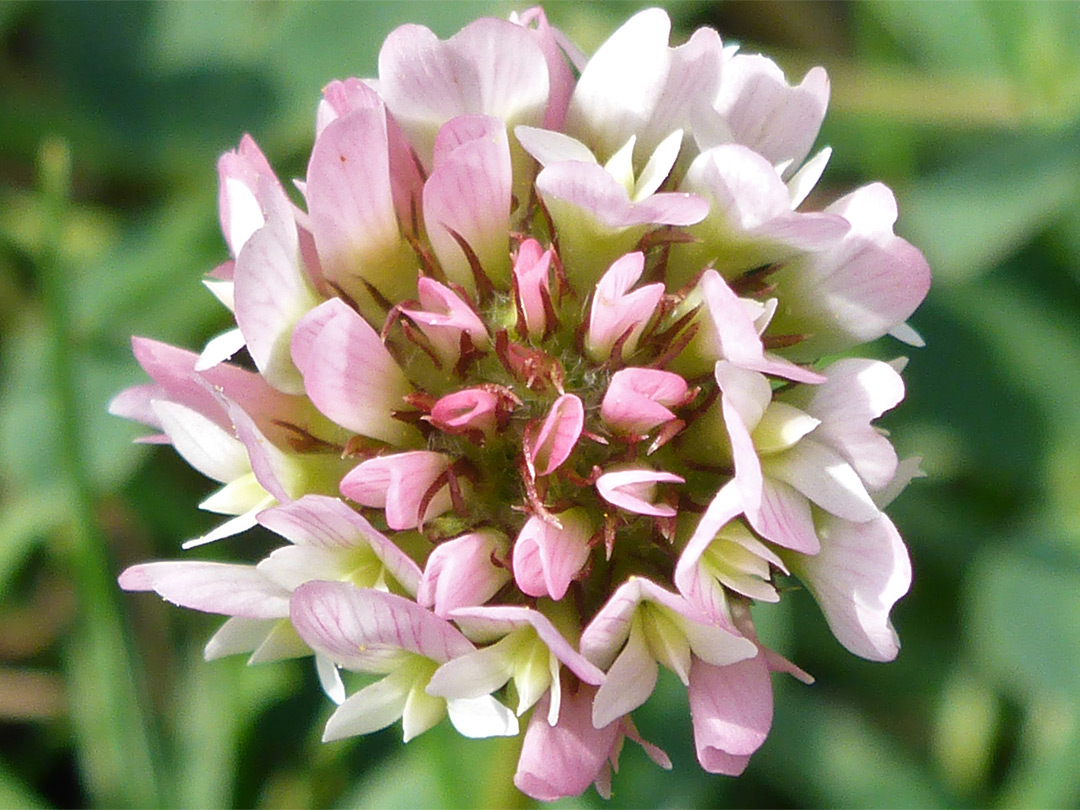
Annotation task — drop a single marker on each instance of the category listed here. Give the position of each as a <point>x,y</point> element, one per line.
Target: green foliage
<point>970,110</point>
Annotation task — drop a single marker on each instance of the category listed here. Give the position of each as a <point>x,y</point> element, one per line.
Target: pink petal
<point>491,67</point>
<point>349,374</point>
<point>468,192</point>
<point>444,317</point>
<point>462,572</point>
<point>531,283</point>
<point>564,759</point>
<point>631,490</point>
<point>637,399</point>
<point>465,410</point>
<point>783,517</point>
<point>362,629</point>
<point>750,221</point>
<point>860,572</point>
<point>231,590</point>
<point>731,708</point>
<point>398,484</point>
<point>353,217</point>
<point>136,403</point>
<point>546,558</point>
<point>557,436</point>
<point>560,78</point>
<point>321,522</point>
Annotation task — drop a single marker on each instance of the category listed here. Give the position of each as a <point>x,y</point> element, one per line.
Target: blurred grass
<point>969,110</point>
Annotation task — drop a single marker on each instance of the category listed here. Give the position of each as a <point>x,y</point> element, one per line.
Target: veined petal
<point>468,193</point>
<point>558,434</point>
<point>637,399</point>
<point>349,374</point>
<point>731,708</point>
<point>859,574</point>
<point>546,559</point>
<point>398,484</point>
<point>353,217</point>
<point>462,572</point>
<point>783,517</point>
<point>491,67</point>
<point>272,291</point>
<point>367,630</point>
<point>823,476</point>
<point>225,588</point>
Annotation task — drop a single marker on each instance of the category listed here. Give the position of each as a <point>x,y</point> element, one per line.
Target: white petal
<point>482,717</point>
<point>372,708</point>
<point>629,682</point>
<point>220,349</point>
<point>804,180</point>
<point>330,678</point>
<point>819,473</point>
<point>203,444</point>
<point>659,166</point>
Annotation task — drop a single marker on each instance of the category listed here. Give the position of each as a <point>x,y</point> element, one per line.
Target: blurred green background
<point>970,111</point>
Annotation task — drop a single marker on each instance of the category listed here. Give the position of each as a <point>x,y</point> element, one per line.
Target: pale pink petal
<point>632,490</point>
<point>547,558</point>
<point>783,517</point>
<point>136,403</point>
<point>734,337</point>
<point>629,682</point>
<point>466,410</point>
<point>444,317</point>
<point>225,588</point>
<point>349,374</point>
<point>462,572</point>
<point>637,399</point>
<point>616,312</point>
<point>859,574</point>
<point>353,217</point>
<point>731,709</point>
<point>173,369</point>
<point>768,115</point>
<point>822,475</point>
<point>214,452</point>
<point>468,193</point>
<point>239,174</point>
<point>497,621</point>
<point>867,284</point>
<point>560,77</point>
<point>398,483</point>
<point>750,221</point>
<point>855,393</point>
<point>364,629</point>
<point>321,522</point>
<point>558,434</point>
<point>564,759</point>
<point>744,397</point>
<point>491,67</point>
<point>272,291</point>
<point>701,590</point>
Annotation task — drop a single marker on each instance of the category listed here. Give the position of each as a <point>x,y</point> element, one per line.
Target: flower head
<point>540,399</point>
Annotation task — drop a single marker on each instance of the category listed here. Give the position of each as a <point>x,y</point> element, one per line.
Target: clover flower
<point>540,388</point>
